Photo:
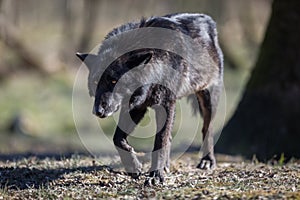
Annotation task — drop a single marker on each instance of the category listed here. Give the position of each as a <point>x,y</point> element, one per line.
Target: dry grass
<point>83,177</point>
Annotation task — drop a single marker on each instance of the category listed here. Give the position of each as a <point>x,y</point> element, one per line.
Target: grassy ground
<point>49,128</point>
<point>84,177</point>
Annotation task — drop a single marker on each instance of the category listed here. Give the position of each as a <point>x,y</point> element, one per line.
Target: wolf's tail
<point>192,100</point>
<point>215,92</point>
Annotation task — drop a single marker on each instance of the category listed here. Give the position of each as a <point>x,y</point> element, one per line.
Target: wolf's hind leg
<point>208,160</point>
<point>127,123</point>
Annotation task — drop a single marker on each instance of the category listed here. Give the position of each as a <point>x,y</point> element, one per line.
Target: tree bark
<point>10,37</point>
<point>266,120</point>
<point>90,19</point>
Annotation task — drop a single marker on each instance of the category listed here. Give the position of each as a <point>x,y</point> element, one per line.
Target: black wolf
<point>157,77</point>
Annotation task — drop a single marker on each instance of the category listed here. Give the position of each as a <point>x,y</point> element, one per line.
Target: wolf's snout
<point>99,111</point>
<point>104,109</point>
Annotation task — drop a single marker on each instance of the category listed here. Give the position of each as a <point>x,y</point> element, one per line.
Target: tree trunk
<point>266,120</point>
<point>9,34</point>
<point>90,19</point>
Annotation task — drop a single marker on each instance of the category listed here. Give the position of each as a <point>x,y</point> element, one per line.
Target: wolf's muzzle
<point>99,111</point>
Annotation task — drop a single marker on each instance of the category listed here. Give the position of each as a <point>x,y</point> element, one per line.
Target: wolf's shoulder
<point>175,21</point>
<point>190,17</point>
<point>192,24</point>
<point>123,28</point>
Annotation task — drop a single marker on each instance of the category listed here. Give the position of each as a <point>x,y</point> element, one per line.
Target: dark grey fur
<point>133,96</point>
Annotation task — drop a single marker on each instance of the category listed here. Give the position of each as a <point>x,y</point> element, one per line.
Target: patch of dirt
<point>84,177</point>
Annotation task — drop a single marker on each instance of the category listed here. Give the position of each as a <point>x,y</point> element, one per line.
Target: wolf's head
<point>108,97</point>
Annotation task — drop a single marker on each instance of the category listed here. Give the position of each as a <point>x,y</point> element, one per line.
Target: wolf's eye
<point>113,81</point>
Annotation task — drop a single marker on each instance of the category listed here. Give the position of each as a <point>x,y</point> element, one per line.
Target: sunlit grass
<point>85,177</point>
<point>43,103</point>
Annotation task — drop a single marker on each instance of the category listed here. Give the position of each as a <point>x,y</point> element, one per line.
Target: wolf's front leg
<point>127,123</point>
<point>161,151</point>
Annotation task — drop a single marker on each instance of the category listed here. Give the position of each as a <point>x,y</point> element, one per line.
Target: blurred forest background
<point>39,39</point>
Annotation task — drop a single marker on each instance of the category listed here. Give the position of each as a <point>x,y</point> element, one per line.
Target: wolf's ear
<point>88,59</point>
<point>139,59</point>
<point>82,56</point>
<point>144,58</point>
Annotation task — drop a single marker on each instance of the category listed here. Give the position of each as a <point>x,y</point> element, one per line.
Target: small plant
<point>254,159</point>
<point>281,160</point>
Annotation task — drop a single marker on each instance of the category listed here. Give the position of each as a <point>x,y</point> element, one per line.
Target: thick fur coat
<point>157,77</point>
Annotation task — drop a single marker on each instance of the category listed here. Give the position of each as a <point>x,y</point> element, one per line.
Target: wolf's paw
<point>134,175</point>
<point>207,162</point>
<point>134,170</point>
<point>156,177</point>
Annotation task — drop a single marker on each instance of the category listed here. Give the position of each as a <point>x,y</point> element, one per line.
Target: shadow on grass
<point>37,176</point>
<point>20,178</point>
